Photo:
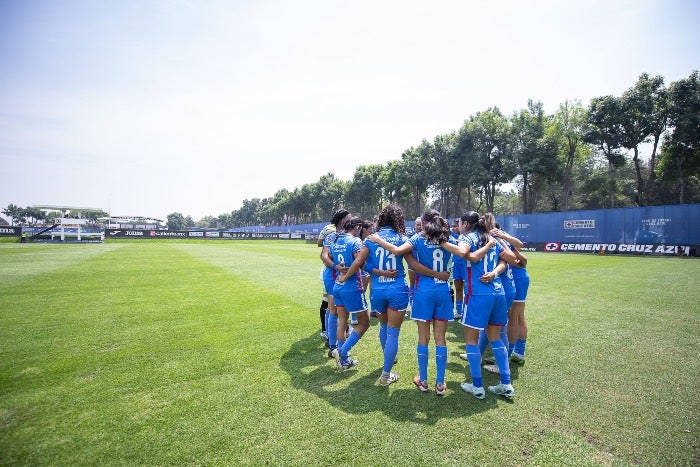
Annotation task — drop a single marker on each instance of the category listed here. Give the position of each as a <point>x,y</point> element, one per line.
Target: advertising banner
<point>202,234</point>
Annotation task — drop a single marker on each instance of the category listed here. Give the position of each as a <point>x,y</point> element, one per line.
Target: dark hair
<point>353,222</point>
<point>338,216</point>
<point>489,220</point>
<point>482,230</point>
<point>366,224</point>
<point>470,217</point>
<point>435,228</point>
<point>392,216</point>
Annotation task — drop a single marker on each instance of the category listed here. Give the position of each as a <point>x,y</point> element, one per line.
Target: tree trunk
<point>611,172</point>
<point>681,181</point>
<point>525,194</point>
<point>640,181</point>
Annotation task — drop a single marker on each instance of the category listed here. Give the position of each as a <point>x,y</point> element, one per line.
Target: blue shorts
<point>432,303</point>
<point>383,298</point>
<point>484,310</point>
<point>350,298</point>
<point>510,296</point>
<point>459,271</point>
<point>521,286</point>
<point>328,282</point>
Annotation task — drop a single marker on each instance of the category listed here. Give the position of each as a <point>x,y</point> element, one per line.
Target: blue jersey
<point>343,251</point>
<point>329,274</point>
<point>432,256</point>
<point>431,296</point>
<point>487,264</point>
<point>384,260</point>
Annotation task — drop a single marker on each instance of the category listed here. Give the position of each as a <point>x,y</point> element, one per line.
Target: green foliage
<point>207,353</point>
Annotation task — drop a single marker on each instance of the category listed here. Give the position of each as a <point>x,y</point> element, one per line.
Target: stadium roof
<point>49,207</point>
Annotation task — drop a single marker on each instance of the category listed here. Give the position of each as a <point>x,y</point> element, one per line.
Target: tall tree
<point>14,212</point>
<point>447,171</point>
<point>604,132</point>
<point>681,151</point>
<point>416,174</point>
<point>491,133</point>
<point>330,195</point>
<point>643,115</point>
<point>365,191</point>
<point>569,128</point>
<point>176,221</point>
<point>533,151</point>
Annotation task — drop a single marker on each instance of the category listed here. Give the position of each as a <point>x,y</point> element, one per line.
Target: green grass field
<point>176,353</point>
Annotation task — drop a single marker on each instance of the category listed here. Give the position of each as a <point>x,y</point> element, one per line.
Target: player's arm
<point>492,275</point>
<point>507,237</point>
<point>402,250</point>
<point>425,270</point>
<point>479,254</point>
<point>357,263</point>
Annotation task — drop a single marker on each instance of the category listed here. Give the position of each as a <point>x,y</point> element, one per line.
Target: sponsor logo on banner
<point>195,234</point>
<point>212,234</point>
<point>166,233</point>
<point>551,246</point>
<point>580,224</point>
<point>5,230</point>
<point>635,248</point>
<point>133,233</point>
<point>115,232</point>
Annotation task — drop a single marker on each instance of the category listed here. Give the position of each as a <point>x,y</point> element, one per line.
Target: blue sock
<point>391,348</point>
<point>458,306</point>
<point>519,347</point>
<point>348,344</point>
<point>423,353</point>
<point>504,336</point>
<point>382,334</point>
<point>332,330</point>
<point>483,342</point>
<point>500,352</point>
<point>474,358</point>
<point>511,345</point>
<point>440,363</point>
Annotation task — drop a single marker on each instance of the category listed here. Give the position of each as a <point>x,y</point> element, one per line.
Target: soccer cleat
<point>463,356</point>
<point>490,360</point>
<point>386,380</point>
<point>492,369</point>
<point>421,385</point>
<point>346,364</point>
<point>353,322</point>
<point>505,390</point>
<point>517,358</point>
<point>440,389</point>
<point>469,388</point>
<point>336,354</point>
<point>324,335</point>
<point>330,352</point>
<point>456,317</point>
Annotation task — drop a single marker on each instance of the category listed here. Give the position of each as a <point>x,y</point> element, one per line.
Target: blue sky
<point>151,107</point>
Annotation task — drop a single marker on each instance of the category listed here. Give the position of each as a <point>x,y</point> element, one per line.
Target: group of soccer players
<point>483,262</point>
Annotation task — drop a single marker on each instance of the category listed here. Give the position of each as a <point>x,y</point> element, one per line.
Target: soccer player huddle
<point>483,263</point>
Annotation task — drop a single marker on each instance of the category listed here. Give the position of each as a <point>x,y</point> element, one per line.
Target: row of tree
<point>637,149</point>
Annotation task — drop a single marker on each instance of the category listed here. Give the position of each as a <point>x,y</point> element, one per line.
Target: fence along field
<point>208,352</point>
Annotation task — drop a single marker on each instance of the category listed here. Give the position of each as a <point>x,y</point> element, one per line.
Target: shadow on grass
<point>357,391</point>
